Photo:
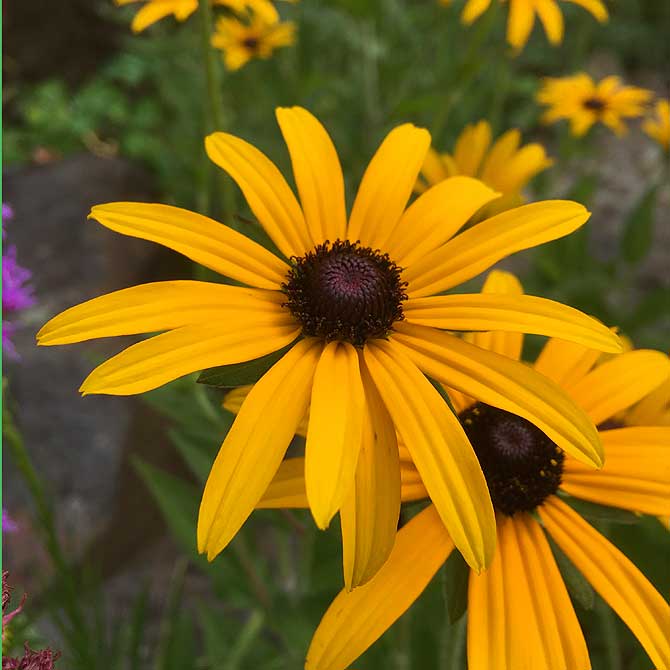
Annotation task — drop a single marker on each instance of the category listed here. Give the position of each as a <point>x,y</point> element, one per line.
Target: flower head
<point>657,125</point>
<point>505,166</point>
<point>584,102</point>
<point>522,17</point>
<point>519,609</point>
<point>241,40</point>
<point>358,300</point>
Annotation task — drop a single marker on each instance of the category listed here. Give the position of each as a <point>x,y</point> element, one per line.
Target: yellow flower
<point>522,17</point>
<point>519,611</point>
<point>155,10</point>
<point>582,101</point>
<point>505,167</point>
<point>354,302</point>
<point>658,125</point>
<point>256,37</point>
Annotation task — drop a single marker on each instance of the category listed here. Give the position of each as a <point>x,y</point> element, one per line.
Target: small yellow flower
<point>522,17</point>
<point>658,125</point>
<point>256,38</point>
<point>519,610</point>
<point>506,167</point>
<point>585,102</point>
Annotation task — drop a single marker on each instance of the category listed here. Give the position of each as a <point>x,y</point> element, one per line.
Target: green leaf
<point>577,585</point>
<point>177,500</point>
<point>240,374</point>
<point>455,575</point>
<point>638,228</point>
<point>601,513</point>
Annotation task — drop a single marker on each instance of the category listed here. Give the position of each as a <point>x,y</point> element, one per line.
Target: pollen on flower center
<point>342,291</point>
<point>594,104</point>
<point>521,464</point>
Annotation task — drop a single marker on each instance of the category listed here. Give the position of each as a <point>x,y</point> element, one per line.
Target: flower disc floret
<point>343,291</point>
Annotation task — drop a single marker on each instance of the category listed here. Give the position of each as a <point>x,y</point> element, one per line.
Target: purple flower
<point>32,660</point>
<point>8,524</point>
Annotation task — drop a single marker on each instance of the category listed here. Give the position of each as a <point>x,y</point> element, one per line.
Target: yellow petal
<point>471,148</point>
<point>152,12</point>
<point>519,22</point>
<point>254,447</point>
<point>369,514</point>
<point>614,577</point>
<point>520,614</point>
<point>498,158</point>
<point>473,10</point>
<point>317,171</point>
<point>266,191</point>
<point>433,169</point>
<point>479,247</point>
<point>287,489</point>
<point>387,185</point>
<point>636,474</point>
<point>565,362</point>
<point>356,619</point>
<point>502,342</point>
<point>148,308</point>
<point>440,451</point>
<point>161,359</point>
<point>435,217</point>
<point>620,383</point>
<point>197,237</point>
<point>503,383</point>
<point>513,313</point>
<point>652,409</point>
<point>334,431</point>
<point>551,18</point>
<point>411,484</point>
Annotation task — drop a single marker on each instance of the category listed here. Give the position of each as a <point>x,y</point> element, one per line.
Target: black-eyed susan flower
<point>256,36</point>
<point>522,16</point>
<point>505,166</point>
<point>584,102</point>
<point>354,302</point>
<point>657,124</point>
<point>519,611</point>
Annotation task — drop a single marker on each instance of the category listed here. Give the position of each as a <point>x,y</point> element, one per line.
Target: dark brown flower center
<point>251,43</point>
<point>342,291</point>
<point>521,464</point>
<point>594,104</point>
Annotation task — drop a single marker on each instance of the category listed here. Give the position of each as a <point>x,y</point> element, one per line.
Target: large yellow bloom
<point>519,611</point>
<point>522,17</point>
<point>585,102</point>
<point>657,126</point>
<point>505,167</point>
<point>355,304</point>
<point>255,37</point>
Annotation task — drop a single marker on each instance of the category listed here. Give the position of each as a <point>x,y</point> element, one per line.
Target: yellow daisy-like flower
<point>505,166</point>
<point>256,37</point>
<point>155,10</point>
<point>356,295</point>
<point>657,126</point>
<point>585,102</point>
<point>522,17</point>
<point>519,611</point>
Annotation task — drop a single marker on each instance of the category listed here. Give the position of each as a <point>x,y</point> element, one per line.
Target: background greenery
<point>361,66</point>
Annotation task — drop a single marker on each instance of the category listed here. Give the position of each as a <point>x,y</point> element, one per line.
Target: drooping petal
<point>334,431</point>
<point>161,359</point>
<point>565,362</point>
<point>387,185</point>
<point>440,450</point>
<point>551,18</point>
<point>287,489</point>
<point>478,248</point>
<point>520,614</point>
<point>356,619</point>
<point>152,12</point>
<point>620,382</point>
<point>148,308</point>
<point>254,447</point>
<point>614,577</point>
<point>636,474</point>
<point>369,514</point>
<point>471,147</point>
<point>513,313</point>
<point>436,216</point>
<point>318,174</point>
<point>197,237</point>
<point>520,22</point>
<point>269,196</point>
<point>473,10</point>
<point>503,383</point>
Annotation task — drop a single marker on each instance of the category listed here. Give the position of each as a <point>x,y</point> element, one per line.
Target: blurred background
<point>93,113</point>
